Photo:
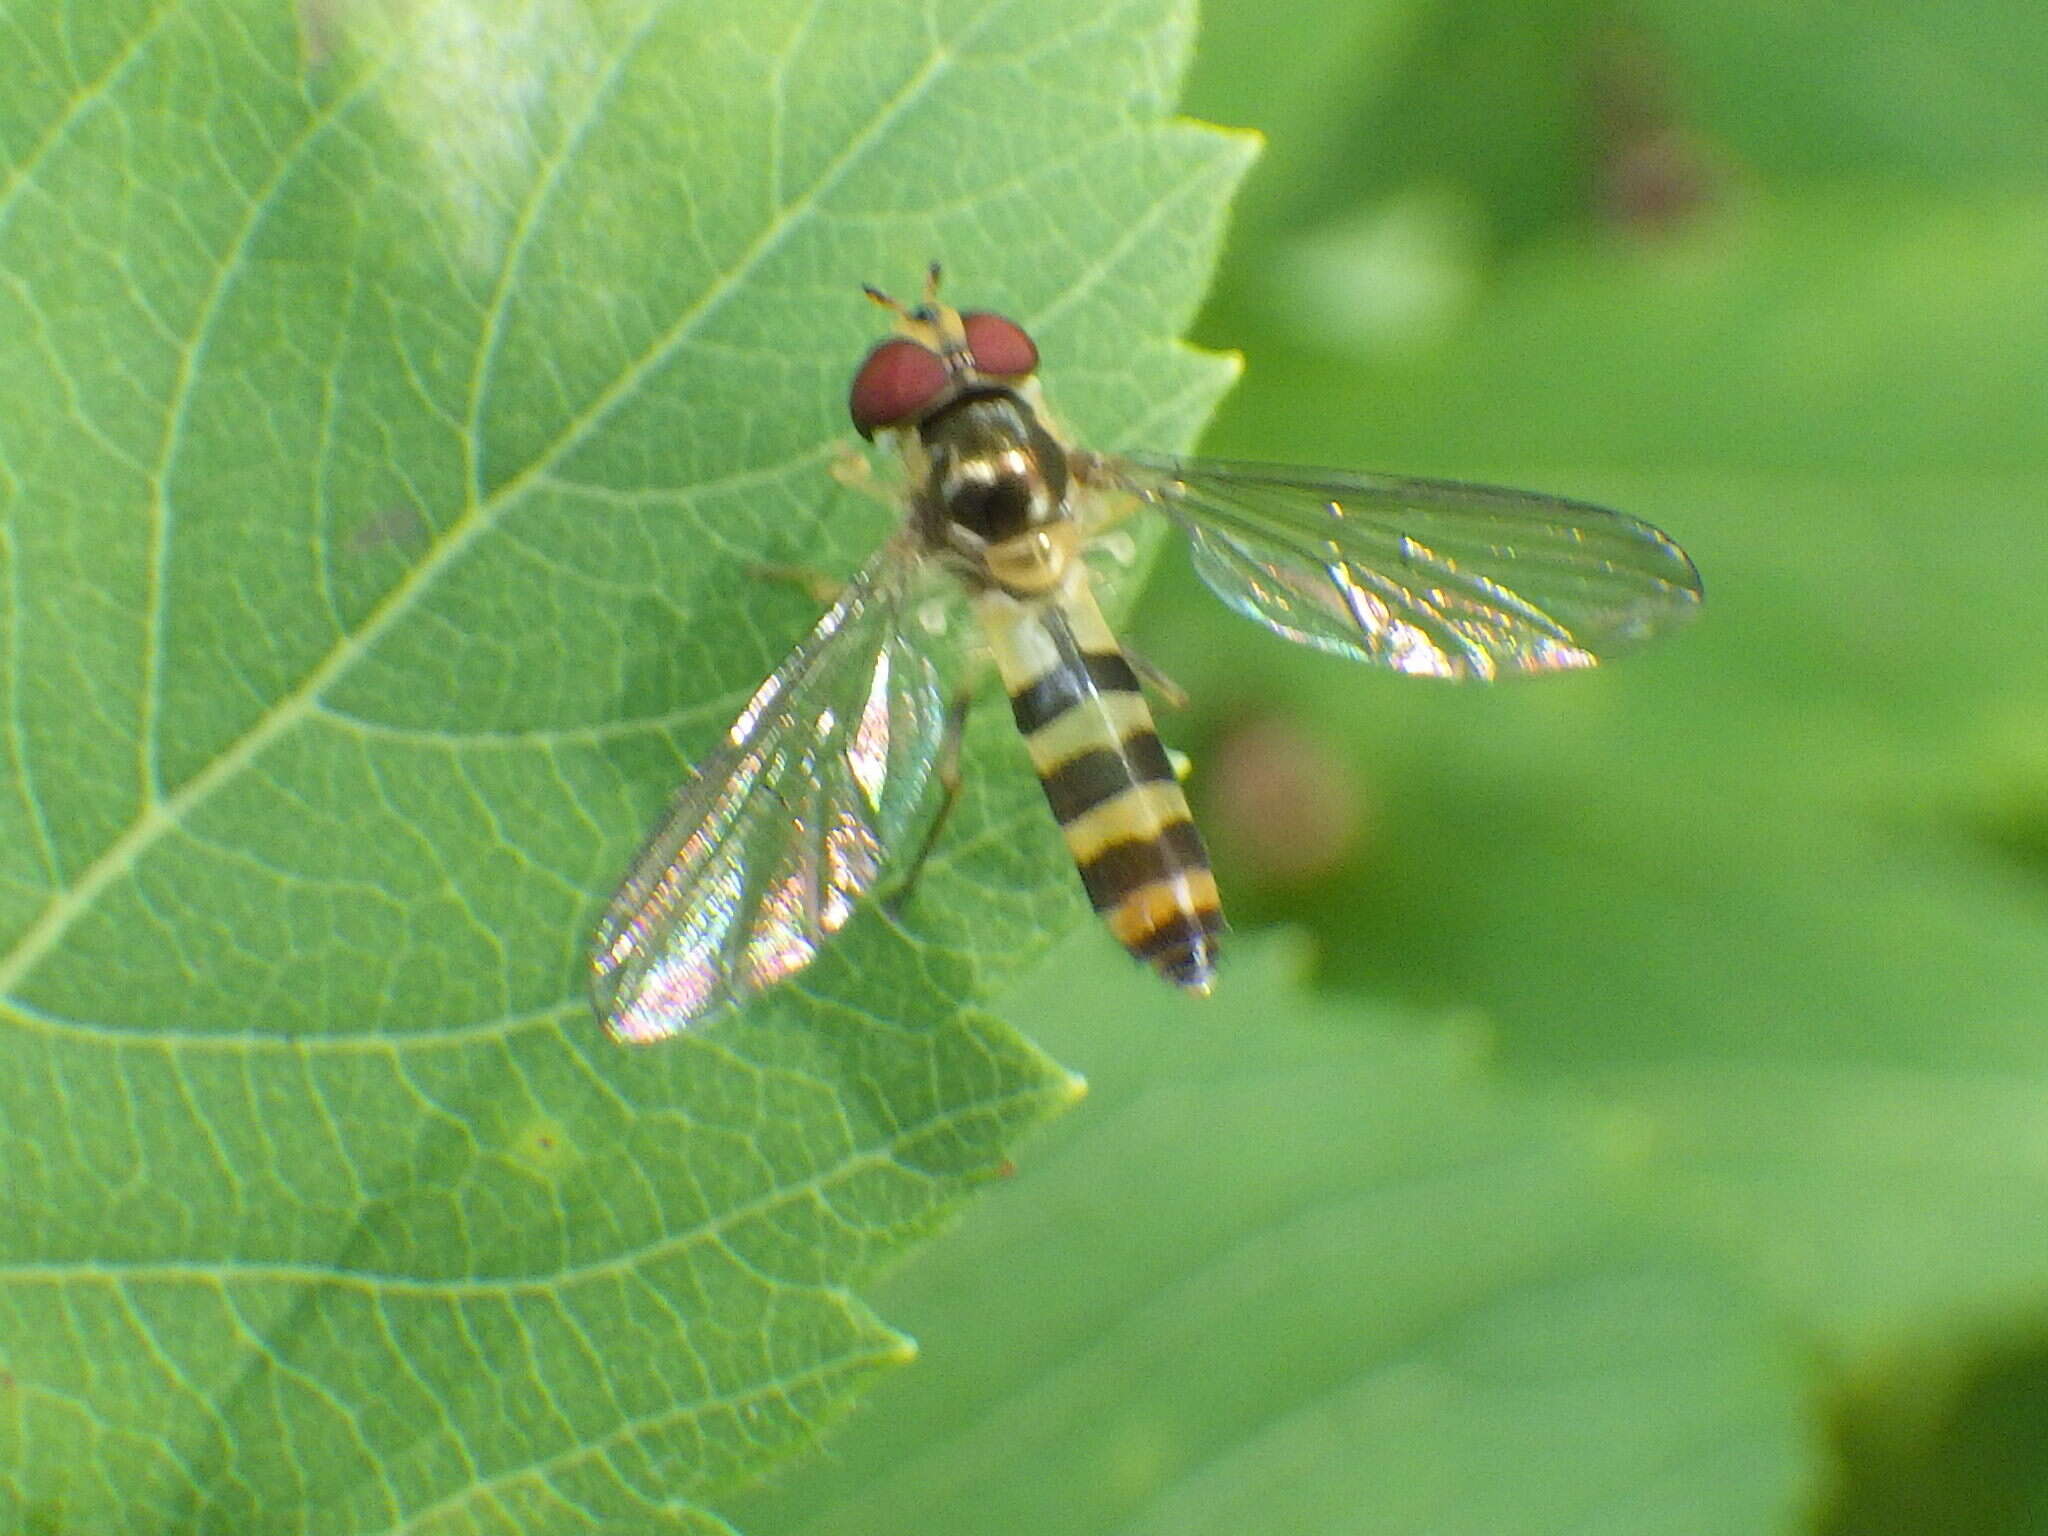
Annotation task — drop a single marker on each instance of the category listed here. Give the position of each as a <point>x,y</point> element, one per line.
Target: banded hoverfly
<point>830,768</point>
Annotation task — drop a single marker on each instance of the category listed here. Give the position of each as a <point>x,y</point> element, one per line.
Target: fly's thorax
<point>993,493</point>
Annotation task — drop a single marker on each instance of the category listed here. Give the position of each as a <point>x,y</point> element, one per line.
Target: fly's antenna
<point>884,300</point>
<point>932,274</point>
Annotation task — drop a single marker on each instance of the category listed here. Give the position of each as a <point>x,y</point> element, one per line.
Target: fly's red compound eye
<point>899,382</point>
<point>999,346</point>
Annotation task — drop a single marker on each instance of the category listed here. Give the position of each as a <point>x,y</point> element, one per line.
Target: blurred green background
<point>1760,914</point>
<point>1776,286</point>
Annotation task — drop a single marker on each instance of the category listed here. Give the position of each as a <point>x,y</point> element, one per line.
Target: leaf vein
<point>192,352</point>
<point>87,97</point>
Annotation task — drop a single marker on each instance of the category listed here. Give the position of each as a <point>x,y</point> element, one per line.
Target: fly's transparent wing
<point>766,850</point>
<point>1422,576</point>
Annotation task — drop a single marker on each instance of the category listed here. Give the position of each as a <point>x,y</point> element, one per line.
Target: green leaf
<point>392,399</point>
<point>1303,1268</point>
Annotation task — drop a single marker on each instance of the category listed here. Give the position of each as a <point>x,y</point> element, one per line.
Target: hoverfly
<point>795,815</point>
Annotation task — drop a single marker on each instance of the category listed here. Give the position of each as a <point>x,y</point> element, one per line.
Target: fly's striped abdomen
<point>1108,780</point>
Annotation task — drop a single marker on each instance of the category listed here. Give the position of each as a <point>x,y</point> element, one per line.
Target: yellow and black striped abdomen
<point>1109,781</point>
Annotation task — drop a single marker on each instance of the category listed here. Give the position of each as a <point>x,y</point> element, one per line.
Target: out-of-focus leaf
<point>1754,886</point>
<point>1943,99</point>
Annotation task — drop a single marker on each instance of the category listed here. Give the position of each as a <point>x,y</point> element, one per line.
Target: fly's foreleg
<point>852,470</point>
<point>820,586</point>
<point>947,769</point>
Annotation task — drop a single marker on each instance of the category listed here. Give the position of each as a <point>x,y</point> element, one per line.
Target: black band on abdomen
<point>1141,861</point>
<point>1095,778</point>
<point>1061,689</point>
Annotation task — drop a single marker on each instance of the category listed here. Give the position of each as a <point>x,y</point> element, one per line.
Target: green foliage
<point>1769,886</point>
<point>392,399</point>
<point>1771,895</point>
<point>1302,1267</point>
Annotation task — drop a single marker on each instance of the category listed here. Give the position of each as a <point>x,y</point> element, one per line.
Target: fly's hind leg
<point>947,769</point>
<point>1171,694</point>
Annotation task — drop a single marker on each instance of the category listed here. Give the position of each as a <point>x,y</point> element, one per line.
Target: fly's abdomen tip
<point>1174,930</point>
<point>1193,970</point>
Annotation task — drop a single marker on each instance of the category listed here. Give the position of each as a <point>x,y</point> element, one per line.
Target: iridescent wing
<point>1422,576</point>
<point>767,849</point>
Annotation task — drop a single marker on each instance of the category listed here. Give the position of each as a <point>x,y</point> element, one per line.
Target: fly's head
<point>956,394</point>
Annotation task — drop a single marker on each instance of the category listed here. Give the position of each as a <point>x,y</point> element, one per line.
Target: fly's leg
<point>1171,694</point>
<point>856,471</point>
<point>1107,501</point>
<point>947,767</point>
<point>853,471</point>
<point>821,587</point>
<point>1104,507</point>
